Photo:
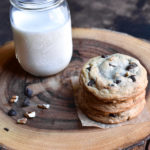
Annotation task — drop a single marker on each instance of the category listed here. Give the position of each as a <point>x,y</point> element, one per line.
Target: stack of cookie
<point>113,88</point>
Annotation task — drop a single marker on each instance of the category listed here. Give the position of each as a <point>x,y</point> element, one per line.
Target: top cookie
<point>114,78</point>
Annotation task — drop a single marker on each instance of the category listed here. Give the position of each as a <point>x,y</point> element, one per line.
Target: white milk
<point>42,47</point>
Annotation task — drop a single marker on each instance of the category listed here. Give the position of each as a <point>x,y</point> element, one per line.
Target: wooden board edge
<point>62,137</point>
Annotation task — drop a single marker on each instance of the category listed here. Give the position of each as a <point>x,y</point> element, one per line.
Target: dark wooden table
<point>129,16</point>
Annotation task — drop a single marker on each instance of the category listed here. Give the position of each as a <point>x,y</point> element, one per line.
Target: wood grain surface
<point>59,128</point>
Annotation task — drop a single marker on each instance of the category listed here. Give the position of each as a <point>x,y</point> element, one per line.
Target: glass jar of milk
<point>42,35</point>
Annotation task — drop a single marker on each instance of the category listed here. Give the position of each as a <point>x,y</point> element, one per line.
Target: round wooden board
<point>59,127</point>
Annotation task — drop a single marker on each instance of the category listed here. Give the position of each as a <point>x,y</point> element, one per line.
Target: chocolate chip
<point>12,112</point>
<point>131,66</point>
<point>28,92</point>
<point>89,68</point>
<point>91,82</point>
<point>6,129</point>
<point>133,78</point>
<point>118,81</point>
<point>112,65</point>
<point>111,85</point>
<point>26,102</point>
<point>113,115</point>
<point>104,56</point>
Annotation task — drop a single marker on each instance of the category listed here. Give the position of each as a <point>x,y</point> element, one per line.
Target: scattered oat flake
<point>43,106</point>
<point>14,99</point>
<point>22,121</point>
<point>30,114</point>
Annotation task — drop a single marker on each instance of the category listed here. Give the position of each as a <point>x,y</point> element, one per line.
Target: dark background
<point>129,16</point>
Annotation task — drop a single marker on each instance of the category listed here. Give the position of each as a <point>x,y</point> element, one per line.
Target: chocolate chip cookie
<point>115,77</point>
<point>112,88</point>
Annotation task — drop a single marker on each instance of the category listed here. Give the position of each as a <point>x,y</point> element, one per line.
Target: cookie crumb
<point>22,121</point>
<point>30,114</point>
<point>43,106</point>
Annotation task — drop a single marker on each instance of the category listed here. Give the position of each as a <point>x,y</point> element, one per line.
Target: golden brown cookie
<point>115,77</point>
<point>112,118</point>
<point>111,107</point>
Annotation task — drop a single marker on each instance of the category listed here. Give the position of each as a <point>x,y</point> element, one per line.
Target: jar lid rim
<point>35,4</point>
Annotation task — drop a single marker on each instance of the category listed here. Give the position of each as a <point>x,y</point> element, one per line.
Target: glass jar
<point>42,35</point>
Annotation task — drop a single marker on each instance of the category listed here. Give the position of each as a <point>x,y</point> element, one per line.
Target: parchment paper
<point>85,121</point>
